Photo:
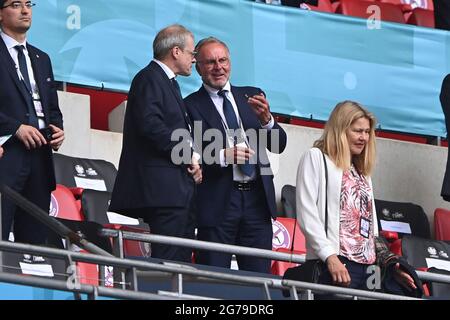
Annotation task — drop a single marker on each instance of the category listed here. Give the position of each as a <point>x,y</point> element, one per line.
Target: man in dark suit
<point>28,103</point>
<point>156,178</point>
<point>445,103</point>
<point>236,199</point>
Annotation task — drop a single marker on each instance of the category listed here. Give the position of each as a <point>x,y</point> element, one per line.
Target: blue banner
<point>305,61</point>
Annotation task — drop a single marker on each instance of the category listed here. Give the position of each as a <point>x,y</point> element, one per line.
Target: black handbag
<point>311,270</point>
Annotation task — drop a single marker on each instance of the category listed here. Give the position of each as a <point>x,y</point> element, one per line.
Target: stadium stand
<point>359,8</point>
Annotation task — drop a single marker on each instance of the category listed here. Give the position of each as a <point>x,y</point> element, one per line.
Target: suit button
<point>27,114</point>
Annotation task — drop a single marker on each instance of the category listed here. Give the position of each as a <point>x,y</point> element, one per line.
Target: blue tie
<point>228,111</point>
<point>33,120</point>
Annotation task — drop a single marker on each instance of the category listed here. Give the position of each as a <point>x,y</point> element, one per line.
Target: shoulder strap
<point>326,193</point>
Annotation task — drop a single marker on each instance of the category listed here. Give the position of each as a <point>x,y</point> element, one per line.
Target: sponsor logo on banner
<point>80,170</point>
<point>433,252</point>
<point>398,215</point>
<point>443,254</point>
<point>54,206</point>
<point>91,172</point>
<point>281,237</point>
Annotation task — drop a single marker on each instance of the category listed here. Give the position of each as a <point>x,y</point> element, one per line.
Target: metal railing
<point>133,268</point>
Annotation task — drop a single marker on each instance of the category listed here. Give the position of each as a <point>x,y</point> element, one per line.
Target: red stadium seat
<point>323,6</point>
<point>283,235</point>
<point>422,17</point>
<point>424,4</point>
<point>356,8</point>
<point>442,224</point>
<point>64,205</point>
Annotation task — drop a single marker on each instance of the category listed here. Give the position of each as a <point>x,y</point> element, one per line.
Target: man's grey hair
<point>209,40</point>
<point>172,36</point>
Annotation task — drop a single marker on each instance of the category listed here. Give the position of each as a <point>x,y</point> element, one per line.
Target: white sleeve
<point>308,191</point>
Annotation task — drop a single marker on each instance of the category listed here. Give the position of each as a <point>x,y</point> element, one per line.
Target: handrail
<point>205,245</point>
<point>50,222</point>
<point>226,248</point>
<point>192,271</point>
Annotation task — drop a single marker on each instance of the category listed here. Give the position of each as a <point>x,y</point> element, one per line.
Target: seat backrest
<point>421,17</point>
<point>283,235</point>
<point>84,173</point>
<point>288,201</point>
<point>95,206</point>
<point>402,217</point>
<point>359,8</point>
<point>425,253</point>
<point>442,224</point>
<point>424,4</point>
<point>323,6</point>
<point>64,205</point>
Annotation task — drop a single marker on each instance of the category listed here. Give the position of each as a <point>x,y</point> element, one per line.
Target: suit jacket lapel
<point>168,83</point>
<point>208,110</point>
<point>8,63</point>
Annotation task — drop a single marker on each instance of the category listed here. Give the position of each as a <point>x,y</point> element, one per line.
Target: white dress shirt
<point>218,103</point>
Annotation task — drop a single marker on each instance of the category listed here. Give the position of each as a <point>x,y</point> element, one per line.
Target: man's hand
<point>338,271</point>
<point>238,154</point>
<point>260,106</point>
<point>1,152</point>
<point>195,170</point>
<point>404,279</point>
<point>57,137</point>
<point>30,137</point>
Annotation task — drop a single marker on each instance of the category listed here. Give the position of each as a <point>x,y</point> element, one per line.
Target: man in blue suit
<point>28,103</point>
<point>156,178</point>
<point>236,199</point>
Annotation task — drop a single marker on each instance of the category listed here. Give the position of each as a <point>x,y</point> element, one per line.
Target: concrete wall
<point>406,172</point>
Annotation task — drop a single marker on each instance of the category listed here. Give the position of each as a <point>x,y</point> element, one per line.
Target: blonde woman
<point>344,236</point>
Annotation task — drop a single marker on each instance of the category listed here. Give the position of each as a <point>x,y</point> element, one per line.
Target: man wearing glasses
<point>30,114</point>
<point>236,199</point>
<point>152,182</point>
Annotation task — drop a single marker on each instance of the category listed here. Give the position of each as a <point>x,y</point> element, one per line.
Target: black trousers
<point>33,184</point>
<point>170,221</point>
<point>246,222</point>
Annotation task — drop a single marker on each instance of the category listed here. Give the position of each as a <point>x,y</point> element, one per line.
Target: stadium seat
<point>288,201</point>
<point>323,6</point>
<point>88,273</point>
<point>421,17</point>
<point>95,205</point>
<point>64,205</point>
<point>84,173</point>
<point>426,255</point>
<point>400,218</point>
<point>358,8</point>
<point>427,4</point>
<point>283,236</point>
<point>442,224</point>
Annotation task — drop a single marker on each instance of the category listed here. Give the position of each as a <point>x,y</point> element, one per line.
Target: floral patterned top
<point>356,224</point>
